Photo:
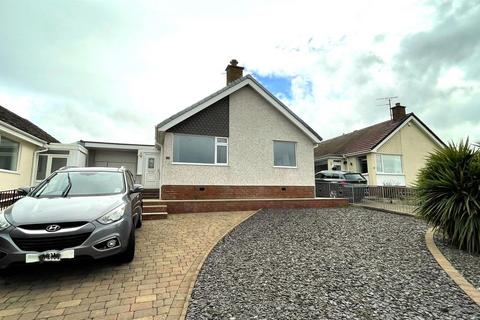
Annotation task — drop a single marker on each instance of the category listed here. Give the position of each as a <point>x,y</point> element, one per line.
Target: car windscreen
<point>354,177</point>
<point>81,184</point>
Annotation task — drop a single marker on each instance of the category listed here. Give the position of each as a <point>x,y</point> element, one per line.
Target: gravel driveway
<point>349,263</point>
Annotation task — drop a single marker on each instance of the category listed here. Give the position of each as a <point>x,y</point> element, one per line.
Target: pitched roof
<point>23,124</point>
<point>361,140</point>
<point>230,86</point>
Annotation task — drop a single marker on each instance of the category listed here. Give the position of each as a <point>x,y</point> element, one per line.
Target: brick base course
<point>183,192</point>
<point>243,205</point>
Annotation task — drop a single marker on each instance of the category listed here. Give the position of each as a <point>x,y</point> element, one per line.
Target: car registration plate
<point>49,256</point>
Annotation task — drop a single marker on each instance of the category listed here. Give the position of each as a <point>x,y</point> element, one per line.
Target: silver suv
<point>75,212</point>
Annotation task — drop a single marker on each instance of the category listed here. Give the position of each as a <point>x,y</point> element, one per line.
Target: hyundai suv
<point>75,212</point>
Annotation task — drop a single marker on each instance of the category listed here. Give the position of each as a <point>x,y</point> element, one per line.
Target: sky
<point>110,70</point>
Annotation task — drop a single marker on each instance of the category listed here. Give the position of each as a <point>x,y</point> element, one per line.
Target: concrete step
<point>153,202</point>
<point>154,215</point>
<point>154,208</point>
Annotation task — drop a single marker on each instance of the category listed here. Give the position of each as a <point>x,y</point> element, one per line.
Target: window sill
<point>286,167</point>
<point>9,171</point>
<point>390,174</point>
<point>201,164</point>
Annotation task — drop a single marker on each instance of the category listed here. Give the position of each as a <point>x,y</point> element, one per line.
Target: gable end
<point>211,121</point>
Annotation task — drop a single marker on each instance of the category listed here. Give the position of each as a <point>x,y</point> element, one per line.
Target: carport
<point>108,154</point>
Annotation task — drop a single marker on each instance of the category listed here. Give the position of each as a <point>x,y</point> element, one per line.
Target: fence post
<point>353,194</point>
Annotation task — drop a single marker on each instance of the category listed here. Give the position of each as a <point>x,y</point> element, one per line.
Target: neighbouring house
<point>239,142</point>
<point>20,143</point>
<point>28,155</point>
<point>387,153</point>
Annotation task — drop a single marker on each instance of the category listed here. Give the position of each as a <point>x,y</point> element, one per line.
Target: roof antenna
<point>389,103</point>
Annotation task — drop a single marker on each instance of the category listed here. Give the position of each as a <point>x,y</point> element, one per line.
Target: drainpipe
<point>35,163</point>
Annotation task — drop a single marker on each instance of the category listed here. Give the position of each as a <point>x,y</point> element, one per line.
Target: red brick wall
<point>238,205</point>
<point>174,192</point>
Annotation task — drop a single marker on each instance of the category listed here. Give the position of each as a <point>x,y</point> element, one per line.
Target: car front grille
<point>51,243</point>
<point>63,225</point>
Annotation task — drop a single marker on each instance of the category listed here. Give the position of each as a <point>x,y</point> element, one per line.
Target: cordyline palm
<point>449,194</point>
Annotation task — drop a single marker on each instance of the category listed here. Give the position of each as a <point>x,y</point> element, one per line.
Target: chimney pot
<point>398,112</point>
<point>234,72</point>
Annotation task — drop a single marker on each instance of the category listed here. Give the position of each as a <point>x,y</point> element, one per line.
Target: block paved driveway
<point>154,286</point>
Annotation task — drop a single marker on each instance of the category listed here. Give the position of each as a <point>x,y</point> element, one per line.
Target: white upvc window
<point>9,154</point>
<point>284,154</point>
<point>389,164</point>
<point>201,150</point>
<point>49,163</point>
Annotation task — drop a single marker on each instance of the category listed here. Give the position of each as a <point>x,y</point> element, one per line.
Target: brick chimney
<point>398,112</point>
<point>234,72</point>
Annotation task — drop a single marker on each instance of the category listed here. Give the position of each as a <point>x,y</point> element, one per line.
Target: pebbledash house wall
<point>253,126</point>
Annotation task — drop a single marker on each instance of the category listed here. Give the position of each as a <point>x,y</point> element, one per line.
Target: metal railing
<point>393,198</point>
<point>9,197</point>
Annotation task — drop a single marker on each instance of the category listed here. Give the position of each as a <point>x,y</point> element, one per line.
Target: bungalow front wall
<point>259,153</point>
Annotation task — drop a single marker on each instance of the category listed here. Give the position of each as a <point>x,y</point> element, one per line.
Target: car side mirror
<point>137,188</point>
<point>24,190</point>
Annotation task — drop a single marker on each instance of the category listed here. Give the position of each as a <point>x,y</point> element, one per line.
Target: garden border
<point>453,273</point>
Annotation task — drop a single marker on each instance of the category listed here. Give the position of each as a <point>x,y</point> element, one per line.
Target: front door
<point>151,170</point>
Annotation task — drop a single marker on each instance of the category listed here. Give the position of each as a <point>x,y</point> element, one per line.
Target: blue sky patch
<point>276,84</point>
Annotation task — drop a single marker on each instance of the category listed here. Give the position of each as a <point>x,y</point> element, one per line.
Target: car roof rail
<point>67,167</point>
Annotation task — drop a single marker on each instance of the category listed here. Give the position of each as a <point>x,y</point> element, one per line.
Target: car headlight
<point>113,215</point>
<point>3,222</point>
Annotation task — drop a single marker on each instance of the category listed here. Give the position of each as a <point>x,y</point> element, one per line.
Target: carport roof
<point>113,145</point>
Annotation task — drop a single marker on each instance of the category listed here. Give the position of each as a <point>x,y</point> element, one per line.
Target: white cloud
<point>111,70</point>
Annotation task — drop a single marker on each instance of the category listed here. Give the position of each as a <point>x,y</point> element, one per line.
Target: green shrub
<point>449,194</point>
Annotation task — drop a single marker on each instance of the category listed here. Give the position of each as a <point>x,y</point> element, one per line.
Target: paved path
<point>349,263</point>
<point>155,285</point>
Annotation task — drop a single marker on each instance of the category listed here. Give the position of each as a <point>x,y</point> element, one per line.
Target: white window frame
<point>215,151</point>
<point>295,151</point>
<point>381,157</point>
<point>48,169</point>
<point>18,156</point>
<point>223,144</point>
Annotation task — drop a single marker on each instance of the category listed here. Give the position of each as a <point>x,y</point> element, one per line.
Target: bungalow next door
<point>151,170</point>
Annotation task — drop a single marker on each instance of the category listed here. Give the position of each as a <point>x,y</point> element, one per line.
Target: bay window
<point>284,154</point>
<point>389,164</point>
<point>9,151</point>
<point>194,149</point>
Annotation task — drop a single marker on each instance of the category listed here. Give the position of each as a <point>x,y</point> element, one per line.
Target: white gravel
<point>348,263</point>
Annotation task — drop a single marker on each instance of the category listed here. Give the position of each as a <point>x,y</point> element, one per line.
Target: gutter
<point>26,136</point>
